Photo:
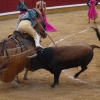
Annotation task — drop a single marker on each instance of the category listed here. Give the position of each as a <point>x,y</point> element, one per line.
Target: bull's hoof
<point>52,86</point>
<point>57,83</point>
<point>76,75</point>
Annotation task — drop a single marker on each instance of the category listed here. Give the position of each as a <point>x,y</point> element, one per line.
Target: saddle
<point>20,41</point>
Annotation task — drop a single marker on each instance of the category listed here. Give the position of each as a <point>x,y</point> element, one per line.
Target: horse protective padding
<point>15,64</point>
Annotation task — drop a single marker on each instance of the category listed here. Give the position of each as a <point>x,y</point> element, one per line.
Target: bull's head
<point>35,64</point>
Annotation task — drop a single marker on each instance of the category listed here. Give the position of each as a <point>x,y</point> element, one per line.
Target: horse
<point>17,45</point>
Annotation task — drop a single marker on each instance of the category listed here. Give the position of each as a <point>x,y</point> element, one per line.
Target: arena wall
<point>11,5</point>
<point>9,13</point>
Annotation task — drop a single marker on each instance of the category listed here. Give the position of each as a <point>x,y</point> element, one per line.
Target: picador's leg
<point>37,41</point>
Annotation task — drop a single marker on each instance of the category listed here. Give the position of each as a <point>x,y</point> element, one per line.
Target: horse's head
<point>40,28</point>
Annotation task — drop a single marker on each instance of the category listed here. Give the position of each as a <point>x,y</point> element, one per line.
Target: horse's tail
<point>97,32</point>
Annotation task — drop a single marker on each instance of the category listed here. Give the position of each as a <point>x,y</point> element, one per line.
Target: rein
<point>38,30</point>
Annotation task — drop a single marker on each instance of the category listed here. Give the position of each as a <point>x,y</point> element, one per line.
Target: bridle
<point>38,31</point>
<point>42,31</point>
<point>45,33</point>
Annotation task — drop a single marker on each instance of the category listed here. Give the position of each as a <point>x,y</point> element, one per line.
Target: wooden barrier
<point>50,10</point>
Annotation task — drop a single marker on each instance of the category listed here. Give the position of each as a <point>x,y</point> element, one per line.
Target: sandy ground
<point>71,27</point>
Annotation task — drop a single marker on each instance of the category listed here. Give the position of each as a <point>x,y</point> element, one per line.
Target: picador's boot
<point>37,41</point>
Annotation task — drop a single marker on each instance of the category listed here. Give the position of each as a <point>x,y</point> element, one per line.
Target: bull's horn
<point>33,56</point>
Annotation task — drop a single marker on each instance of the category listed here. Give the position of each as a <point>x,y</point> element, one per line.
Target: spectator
<point>20,18</point>
<point>96,3</point>
<point>20,7</point>
<point>92,13</point>
<point>41,5</point>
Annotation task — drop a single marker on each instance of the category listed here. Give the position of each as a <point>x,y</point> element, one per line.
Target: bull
<point>56,59</point>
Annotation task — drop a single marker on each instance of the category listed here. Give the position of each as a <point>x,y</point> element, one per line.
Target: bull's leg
<point>56,78</point>
<point>25,75</point>
<point>82,70</point>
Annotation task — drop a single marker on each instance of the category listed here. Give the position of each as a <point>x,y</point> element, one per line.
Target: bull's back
<point>71,52</point>
<point>67,53</point>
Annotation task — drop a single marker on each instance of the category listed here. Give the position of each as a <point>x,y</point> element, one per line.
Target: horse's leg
<point>25,75</point>
<point>18,81</point>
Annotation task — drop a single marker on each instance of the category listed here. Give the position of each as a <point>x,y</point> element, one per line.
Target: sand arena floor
<point>74,26</point>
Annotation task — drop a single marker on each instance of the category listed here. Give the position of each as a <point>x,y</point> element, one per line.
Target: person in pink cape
<point>41,5</point>
<point>92,13</point>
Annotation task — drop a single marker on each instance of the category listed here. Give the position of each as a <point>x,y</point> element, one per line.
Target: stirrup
<point>39,48</point>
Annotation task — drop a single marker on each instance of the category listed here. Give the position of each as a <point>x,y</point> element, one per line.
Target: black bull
<point>56,59</point>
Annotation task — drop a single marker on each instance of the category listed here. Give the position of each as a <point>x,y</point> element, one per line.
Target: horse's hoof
<point>14,84</point>
<point>18,82</point>
<point>25,78</point>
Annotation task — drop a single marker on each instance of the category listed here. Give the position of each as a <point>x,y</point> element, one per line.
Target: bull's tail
<point>95,46</point>
<point>97,32</point>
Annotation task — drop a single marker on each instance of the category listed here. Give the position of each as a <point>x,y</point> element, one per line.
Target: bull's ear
<point>32,56</point>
